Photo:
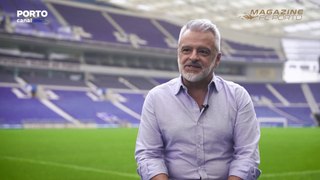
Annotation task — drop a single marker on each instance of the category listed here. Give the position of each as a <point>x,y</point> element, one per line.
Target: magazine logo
<point>273,14</point>
<point>31,16</point>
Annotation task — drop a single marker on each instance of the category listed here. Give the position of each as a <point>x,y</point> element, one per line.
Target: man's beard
<point>195,77</point>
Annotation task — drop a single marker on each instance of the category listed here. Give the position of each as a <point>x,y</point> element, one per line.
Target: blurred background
<point>89,64</point>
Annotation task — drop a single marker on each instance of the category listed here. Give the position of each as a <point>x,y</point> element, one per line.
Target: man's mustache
<point>194,64</point>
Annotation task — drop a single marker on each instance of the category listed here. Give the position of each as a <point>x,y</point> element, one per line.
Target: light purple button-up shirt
<point>178,139</point>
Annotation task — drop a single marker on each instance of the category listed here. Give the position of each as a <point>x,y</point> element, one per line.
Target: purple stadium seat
<point>14,110</point>
<point>141,27</point>
<point>292,92</point>
<point>80,106</point>
<point>91,21</point>
<point>315,89</point>
<point>260,90</point>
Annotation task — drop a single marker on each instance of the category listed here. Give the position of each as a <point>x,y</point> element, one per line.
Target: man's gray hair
<point>202,25</point>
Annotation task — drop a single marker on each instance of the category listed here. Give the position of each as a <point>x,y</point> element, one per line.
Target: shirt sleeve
<point>246,139</point>
<point>149,145</point>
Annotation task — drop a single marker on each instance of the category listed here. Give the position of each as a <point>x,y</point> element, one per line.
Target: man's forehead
<point>196,38</point>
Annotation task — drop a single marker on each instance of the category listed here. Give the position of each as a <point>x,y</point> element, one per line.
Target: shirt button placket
<point>199,143</point>
<point>200,150</point>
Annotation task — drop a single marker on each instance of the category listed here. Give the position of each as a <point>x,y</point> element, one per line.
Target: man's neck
<point>198,90</point>
<point>197,86</point>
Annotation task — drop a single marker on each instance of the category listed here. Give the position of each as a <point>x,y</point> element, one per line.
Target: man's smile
<point>192,66</point>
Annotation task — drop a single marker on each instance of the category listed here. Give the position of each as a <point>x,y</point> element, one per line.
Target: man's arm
<point>149,145</point>
<point>160,177</point>
<point>234,178</point>
<point>246,139</point>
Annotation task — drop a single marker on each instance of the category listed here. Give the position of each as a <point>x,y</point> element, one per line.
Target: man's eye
<point>204,52</point>
<point>185,50</point>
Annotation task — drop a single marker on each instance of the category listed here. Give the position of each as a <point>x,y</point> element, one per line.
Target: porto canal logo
<point>31,16</point>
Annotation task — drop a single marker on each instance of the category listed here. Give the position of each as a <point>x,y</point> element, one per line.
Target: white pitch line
<point>291,173</point>
<point>70,166</point>
<point>83,168</point>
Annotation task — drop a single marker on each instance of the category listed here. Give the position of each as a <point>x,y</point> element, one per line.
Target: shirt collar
<point>179,86</point>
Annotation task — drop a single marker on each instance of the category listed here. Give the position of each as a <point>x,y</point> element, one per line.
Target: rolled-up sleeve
<point>149,145</point>
<point>246,139</point>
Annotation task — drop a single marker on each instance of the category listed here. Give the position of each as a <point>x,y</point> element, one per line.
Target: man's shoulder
<point>222,83</point>
<point>233,89</point>
<point>167,86</point>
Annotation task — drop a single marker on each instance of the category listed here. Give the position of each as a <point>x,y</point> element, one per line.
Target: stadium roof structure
<point>276,18</point>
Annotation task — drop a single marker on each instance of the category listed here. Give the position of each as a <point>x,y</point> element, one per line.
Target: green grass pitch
<point>108,154</point>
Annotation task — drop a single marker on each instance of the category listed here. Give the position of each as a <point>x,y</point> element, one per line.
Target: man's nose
<point>194,55</point>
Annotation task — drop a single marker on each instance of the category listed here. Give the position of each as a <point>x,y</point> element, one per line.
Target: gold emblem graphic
<point>248,17</point>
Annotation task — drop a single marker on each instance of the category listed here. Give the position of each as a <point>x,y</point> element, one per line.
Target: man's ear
<point>217,60</point>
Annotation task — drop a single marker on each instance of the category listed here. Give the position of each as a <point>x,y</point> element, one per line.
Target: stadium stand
<point>273,100</point>
<point>250,52</point>
<point>18,111</point>
<point>295,95</point>
<point>62,81</point>
<point>104,112</point>
<point>315,88</point>
<point>68,60</point>
<point>51,28</point>
<point>258,92</point>
<point>71,15</point>
<point>81,107</point>
<point>6,78</point>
